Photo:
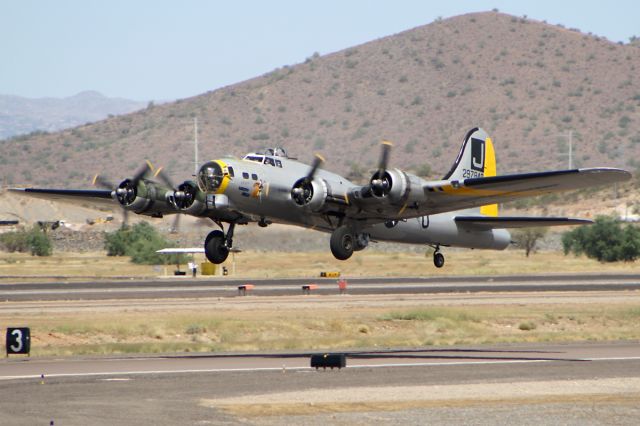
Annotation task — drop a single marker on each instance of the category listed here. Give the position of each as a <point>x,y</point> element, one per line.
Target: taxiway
<point>223,287</point>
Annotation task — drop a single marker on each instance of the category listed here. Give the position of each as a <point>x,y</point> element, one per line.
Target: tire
<point>215,248</point>
<point>342,243</point>
<point>438,259</point>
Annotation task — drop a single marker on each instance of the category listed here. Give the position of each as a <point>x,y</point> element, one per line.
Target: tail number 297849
<point>466,173</point>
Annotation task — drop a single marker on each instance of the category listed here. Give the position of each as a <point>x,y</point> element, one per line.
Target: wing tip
<point>603,170</point>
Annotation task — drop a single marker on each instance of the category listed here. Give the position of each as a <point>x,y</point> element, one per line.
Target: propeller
<point>302,190</point>
<point>175,225</point>
<point>381,181</point>
<point>164,177</point>
<point>102,182</point>
<point>317,160</point>
<point>126,191</point>
<point>384,156</point>
<point>182,196</point>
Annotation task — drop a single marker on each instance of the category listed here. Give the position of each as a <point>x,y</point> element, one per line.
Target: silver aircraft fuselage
<point>260,186</point>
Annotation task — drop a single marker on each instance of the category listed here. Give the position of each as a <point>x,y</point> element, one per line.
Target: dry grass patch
<point>251,264</point>
<point>318,328</point>
<point>458,262</point>
<point>70,265</point>
<point>618,391</point>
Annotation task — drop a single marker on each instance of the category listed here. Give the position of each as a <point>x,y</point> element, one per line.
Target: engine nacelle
<point>310,194</point>
<point>134,197</point>
<point>391,183</point>
<point>188,198</point>
<point>145,197</point>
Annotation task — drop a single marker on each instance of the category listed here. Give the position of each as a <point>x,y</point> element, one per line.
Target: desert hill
<point>528,83</point>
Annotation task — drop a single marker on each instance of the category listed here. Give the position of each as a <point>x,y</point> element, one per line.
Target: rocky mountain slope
<point>20,116</point>
<point>528,83</point>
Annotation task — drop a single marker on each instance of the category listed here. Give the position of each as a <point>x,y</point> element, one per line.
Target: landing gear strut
<point>438,258</point>
<point>217,245</point>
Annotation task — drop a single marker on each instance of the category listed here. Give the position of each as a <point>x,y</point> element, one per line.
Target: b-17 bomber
<point>459,210</point>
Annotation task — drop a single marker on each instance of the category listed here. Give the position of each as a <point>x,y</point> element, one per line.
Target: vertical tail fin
<point>476,158</point>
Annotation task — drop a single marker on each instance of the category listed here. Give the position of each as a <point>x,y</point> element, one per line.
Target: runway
<point>223,287</point>
<point>581,383</point>
<point>21,368</point>
<point>476,384</point>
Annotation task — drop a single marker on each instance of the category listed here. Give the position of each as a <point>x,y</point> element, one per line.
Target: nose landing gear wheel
<point>438,259</point>
<point>215,247</point>
<point>342,243</point>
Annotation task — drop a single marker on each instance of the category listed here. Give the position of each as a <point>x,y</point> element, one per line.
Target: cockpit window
<point>271,152</point>
<point>231,172</point>
<point>210,177</point>
<point>269,161</point>
<point>256,158</point>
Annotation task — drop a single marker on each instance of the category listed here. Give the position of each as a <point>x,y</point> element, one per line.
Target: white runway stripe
<point>385,365</point>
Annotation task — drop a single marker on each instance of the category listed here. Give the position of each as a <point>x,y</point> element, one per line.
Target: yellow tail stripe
<point>489,171</point>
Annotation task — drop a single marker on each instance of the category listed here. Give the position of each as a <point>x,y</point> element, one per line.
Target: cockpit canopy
<point>276,152</point>
<point>210,177</point>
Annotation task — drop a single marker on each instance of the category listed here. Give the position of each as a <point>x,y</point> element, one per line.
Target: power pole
<point>570,150</point>
<point>195,146</point>
<point>570,153</point>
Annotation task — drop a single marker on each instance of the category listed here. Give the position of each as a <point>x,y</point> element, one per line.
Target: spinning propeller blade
<point>384,157</point>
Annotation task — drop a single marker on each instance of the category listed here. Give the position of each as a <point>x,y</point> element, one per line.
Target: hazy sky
<point>160,49</point>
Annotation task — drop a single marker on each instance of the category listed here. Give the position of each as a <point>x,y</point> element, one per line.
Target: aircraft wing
<point>489,222</point>
<point>100,197</point>
<point>444,196</point>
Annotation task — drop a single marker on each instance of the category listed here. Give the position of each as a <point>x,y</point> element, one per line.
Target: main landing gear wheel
<point>438,259</point>
<point>342,243</point>
<point>215,247</point>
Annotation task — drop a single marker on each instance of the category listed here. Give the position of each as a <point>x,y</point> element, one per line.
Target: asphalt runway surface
<point>223,287</point>
<point>537,383</point>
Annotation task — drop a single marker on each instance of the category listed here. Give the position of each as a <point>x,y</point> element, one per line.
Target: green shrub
<point>527,326</point>
<point>527,238</point>
<point>14,241</point>
<point>607,241</point>
<point>39,242</point>
<point>34,240</point>
<point>140,242</point>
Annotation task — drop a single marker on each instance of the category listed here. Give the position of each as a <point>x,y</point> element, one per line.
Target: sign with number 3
<point>18,340</point>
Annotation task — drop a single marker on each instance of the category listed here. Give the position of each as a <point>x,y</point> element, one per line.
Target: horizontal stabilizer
<point>487,222</point>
